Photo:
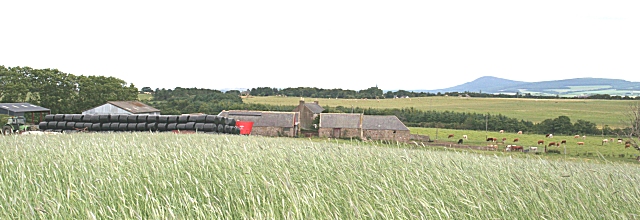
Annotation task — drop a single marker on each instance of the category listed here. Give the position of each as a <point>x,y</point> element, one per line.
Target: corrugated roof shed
<point>263,118</point>
<point>340,120</point>
<point>315,108</point>
<point>383,122</point>
<point>8,108</point>
<point>134,107</point>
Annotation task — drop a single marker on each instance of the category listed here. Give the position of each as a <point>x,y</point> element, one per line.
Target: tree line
<point>61,92</point>
<point>375,92</point>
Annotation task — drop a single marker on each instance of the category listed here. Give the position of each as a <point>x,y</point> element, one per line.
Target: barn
<point>123,108</point>
<point>340,125</point>
<point>384,127</point>
<point>267,123</point>
<point>308,112</point>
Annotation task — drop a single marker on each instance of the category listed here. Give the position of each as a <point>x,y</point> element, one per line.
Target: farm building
<point>123,108</point>
<point>384,127</point>
<point>308,112</point>
<point>373,127</point>
<point>340,125</point>
<point>267,123</point>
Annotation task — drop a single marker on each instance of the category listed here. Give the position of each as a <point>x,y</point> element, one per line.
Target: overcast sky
<point>326,44</point>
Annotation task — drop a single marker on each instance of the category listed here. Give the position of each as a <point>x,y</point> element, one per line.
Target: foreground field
<point>160,176</point>
<point>601,112</point>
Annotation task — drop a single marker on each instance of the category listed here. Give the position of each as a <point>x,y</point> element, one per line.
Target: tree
<point>146,89</point>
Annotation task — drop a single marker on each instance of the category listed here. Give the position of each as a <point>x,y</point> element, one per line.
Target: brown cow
<point>552,143</point>
<point>516,140</point>
<point>450,136</point>
<point>627,146</point>
<point>491,139</point>
<point>504,139</point>
<point>580,143</point>
<point>540,142</point>
<point>549,135</point>
<point>563,142</point>
<point>576,136</point>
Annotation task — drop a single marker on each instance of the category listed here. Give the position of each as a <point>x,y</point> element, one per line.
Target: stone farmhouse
<point>308,112</point>
<point>340,125</point>
<point>371,127</point>
<point>268,123</point>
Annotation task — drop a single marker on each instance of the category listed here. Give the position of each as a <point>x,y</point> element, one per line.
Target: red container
<point>245,127</point>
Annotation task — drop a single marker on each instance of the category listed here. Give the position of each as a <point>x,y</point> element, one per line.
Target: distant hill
<point>567,87</point>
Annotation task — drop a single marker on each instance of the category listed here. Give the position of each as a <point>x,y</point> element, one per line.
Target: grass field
<point>144,97</point>
<point>169,176</point>
<point>593,148</point>
<point>601,112</point>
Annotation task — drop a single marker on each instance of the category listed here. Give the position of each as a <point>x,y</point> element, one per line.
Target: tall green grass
<point>158,176</point>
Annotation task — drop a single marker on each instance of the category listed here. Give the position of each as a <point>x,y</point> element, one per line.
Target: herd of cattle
<point>515,147</point>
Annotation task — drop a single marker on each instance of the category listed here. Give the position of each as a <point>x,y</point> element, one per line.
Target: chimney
<point>301,101</point>
<point>316,101</point>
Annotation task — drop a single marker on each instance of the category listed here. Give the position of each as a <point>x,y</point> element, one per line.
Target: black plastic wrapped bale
<point>120,118</point>
<point>209,127</point>
<point>163,119</point>
<point>123,127</point>
<point>230,122</point>
<point>114,126</point>
<point>162,126</point>
<point>152,118</point>
<point>105,126</point>
<point>49,118</point>
<point>220,128</point>
<point>86,118</point>
<point>210,119</point>
<point>78,125</point>
<point>132,126</point>
<point>43,125</point>
<point>183,119</point>
<point>94,118</point>
<point>52,125</point>
<point>199,127</point>
<point>74,118</point>
<point>199,118</point>
<point>142,118</point>
<point>132,118</point>
<point>58,117</point>
<point>95,127</point>
<point>67,117</point>
<point>104,118</point>
<point>190,126</point>
<point>181,127</point>
<point>141,127</point>
<point>172,119</point>
<point>61,124</point>
<point>172,126</point>
<point>152,126</point>
<point>70,125</point>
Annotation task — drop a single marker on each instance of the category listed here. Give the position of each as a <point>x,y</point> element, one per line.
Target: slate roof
<point>383,122</point>
<point>21,107</point>
<point>134,107</point>
<point>263,118</point>
<point>315,108</point>
<point>340,120</point>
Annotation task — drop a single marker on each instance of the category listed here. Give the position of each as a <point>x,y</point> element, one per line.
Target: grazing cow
<point>605,141</point>
<point>549,135</point>
<point>576,136</point>
<point>491,139</point>
<point>580,143</point>
<point>501,131</point>
<point>533,149</point>
<point>519,132</point>
<point>552,143</point>
<point>619,141</point>
<point>516,140</point>
<point>460,141</point>
<point>450,136</point>
<point>540,142</point>
<point>516,148</point>
<point>504,139</point>
<point>627,142</point>
<point>627,146</point>
<point>465,137</point>
<point>584,137</point>
<point>563,142</point>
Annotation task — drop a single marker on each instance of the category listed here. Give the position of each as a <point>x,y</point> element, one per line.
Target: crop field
<point>601,112</point>
<point>201,176</point>
<point>592,149</point>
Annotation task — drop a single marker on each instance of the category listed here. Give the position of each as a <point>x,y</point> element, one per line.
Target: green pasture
<point>601,112</point>
<point>593,147</point>
<point>144,97</point>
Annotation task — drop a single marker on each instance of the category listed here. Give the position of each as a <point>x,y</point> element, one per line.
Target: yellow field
<point>601,112</point>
